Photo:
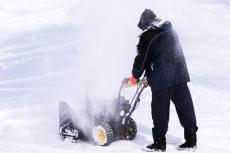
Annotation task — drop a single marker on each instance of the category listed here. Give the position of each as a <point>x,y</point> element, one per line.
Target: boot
<point>158,145</point>
<point>190,140</point>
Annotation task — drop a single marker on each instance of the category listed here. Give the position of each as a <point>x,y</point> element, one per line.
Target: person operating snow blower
<point>160,55</point>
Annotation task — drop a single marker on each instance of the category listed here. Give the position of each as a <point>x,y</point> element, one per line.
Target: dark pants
<point>181,97</point>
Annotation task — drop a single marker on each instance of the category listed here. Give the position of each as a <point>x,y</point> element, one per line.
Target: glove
<point>133,80</point>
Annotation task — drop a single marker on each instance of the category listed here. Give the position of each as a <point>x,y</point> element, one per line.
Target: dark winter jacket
<point>160,55</point>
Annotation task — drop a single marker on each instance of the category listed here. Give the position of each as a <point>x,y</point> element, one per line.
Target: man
<point>160,55</point>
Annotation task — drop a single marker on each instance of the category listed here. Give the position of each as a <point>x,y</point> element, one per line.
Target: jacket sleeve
<point>142,56</point>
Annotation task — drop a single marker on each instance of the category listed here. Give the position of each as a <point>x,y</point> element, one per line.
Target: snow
<point>53,50</point>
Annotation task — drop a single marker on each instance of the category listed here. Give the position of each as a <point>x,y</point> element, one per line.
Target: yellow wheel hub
<point>127,131</point>
<point>99,135</point>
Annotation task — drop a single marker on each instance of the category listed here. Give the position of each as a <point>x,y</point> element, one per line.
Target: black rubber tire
<point>108,132</point>
<point>130,129</point>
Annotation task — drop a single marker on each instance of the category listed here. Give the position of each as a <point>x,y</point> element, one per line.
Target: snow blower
<point>106,127</point>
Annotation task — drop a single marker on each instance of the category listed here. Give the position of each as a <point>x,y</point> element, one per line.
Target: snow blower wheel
<point>130,129</point>
<point>103,134</point>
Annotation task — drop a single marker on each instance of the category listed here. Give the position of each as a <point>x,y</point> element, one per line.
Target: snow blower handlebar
<point>141,85</point>
<point>126,84</point>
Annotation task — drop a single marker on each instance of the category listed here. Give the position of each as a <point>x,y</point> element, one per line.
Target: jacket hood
<point>146,19</point>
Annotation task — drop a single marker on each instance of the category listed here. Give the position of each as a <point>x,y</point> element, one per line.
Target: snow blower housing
<point>115,125</point>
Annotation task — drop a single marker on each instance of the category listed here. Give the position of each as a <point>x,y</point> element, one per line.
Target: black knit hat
<point>146,19</point>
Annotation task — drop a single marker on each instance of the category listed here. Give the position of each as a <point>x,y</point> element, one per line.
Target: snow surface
<point>53,50</point>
